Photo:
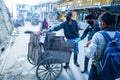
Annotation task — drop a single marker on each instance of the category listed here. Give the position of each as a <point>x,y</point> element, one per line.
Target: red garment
<point>46,24</point>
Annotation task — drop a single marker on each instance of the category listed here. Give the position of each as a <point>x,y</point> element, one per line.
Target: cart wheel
<point>49,69</point>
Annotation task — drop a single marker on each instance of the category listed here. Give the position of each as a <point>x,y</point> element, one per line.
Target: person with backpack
<point>102,49</point>
<point>71,32</point>
<point>92,28</point>
<point>44,25</point>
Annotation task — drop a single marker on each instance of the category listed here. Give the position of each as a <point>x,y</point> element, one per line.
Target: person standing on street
<point>44,25</point>
<point>98,43</point>
<point>71,32</point>
<point>92,28</point>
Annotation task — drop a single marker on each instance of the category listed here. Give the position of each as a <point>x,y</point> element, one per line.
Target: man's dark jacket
<point>71,31</point>
<point>90,30</point>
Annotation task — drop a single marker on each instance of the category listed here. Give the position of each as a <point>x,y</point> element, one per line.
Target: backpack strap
<point>117,35</point>
<point>106,35</point>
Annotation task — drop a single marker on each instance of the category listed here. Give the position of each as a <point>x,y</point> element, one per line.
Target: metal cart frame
<point>48,57</point>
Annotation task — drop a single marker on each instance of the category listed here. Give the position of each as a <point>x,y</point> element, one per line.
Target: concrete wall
<point>5,26</point>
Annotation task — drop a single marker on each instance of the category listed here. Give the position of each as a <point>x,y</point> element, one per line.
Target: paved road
<point>16,66</point>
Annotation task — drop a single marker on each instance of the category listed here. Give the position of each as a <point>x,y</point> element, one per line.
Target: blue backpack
<point>110,61</point>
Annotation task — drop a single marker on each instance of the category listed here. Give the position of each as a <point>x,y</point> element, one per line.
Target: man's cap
<point>68,14</point>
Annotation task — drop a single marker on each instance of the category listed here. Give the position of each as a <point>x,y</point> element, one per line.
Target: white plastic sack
<point>42,39</point>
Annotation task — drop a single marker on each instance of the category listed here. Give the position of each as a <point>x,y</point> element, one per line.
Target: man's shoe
<point>76,64</point>
<point>75,60</point>
<point>84,71</point>
<point>66,66</point>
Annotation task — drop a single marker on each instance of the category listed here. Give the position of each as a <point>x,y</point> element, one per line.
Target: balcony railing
<point>84,3</point>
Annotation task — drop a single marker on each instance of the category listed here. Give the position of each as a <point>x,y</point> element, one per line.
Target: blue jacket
<point>70,31</point>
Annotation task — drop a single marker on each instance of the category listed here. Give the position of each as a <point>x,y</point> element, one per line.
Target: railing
<point>115,10</point>
<point>115,7</point>
<point>85,3</point>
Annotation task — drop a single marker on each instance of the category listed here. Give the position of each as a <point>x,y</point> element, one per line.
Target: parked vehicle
<point>29,16</point>
<point>19,21</point>
<point>35,20</point>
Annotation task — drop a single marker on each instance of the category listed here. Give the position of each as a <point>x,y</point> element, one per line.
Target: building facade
<point>80,8</point>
